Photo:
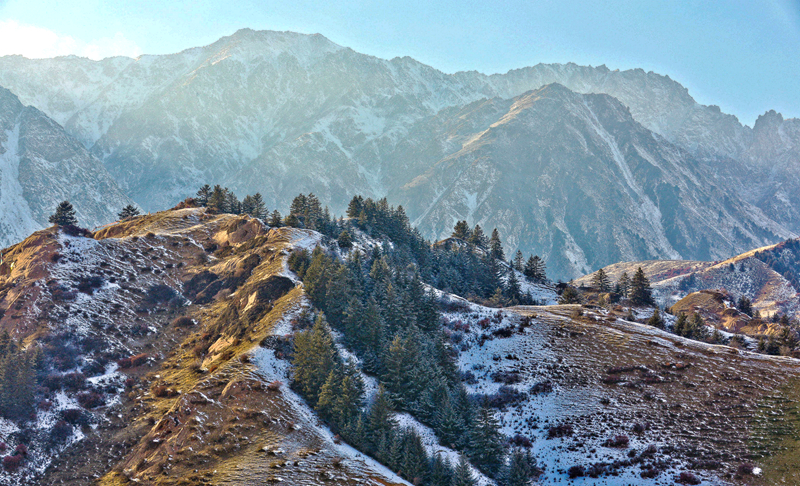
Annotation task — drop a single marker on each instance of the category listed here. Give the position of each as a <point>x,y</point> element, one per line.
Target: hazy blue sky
<point>741,55</point>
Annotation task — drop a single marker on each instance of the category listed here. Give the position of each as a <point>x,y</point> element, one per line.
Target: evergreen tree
<point>380,421</point>
<point>128,211</point>
<point>569,296</point>
<point>744,305</point>
<point>259,209</point>
<point>496,246</point>
<point>203,195</point>
<point>535,269</point>
<point>461,230</point>
<point>477,237</point>
<point>600,281</point>
<point>640,292</point>
<point>314,359</point>
<point>680,325</point>
<point>355,207</point>
<point>216,201</point>
<point>463,475</point>
<point>441,472</point>
<point>487,451</point>
<point>518,264</point>
<point>64,215</point>
<point>513,291</point>
<point>624,284</point>
<point>275,219</point>
<point>344,240</point>
<point>520,469</point>
<point>232,204</point>
<point>656,320</point>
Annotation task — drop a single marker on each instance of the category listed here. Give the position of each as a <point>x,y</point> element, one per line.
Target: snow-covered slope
<point>40,166</point>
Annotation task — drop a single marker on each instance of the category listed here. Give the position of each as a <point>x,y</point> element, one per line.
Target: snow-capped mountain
<point>576,178</point>
<point>40,166</point>
<point>282,113</point>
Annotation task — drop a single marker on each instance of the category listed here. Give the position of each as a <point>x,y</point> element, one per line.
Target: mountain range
<point>584,166</point>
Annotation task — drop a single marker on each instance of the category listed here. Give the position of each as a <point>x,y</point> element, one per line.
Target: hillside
<point>768,276</point>
<point>40,166</point>
<point>106,314</point>
<point>166,337</point>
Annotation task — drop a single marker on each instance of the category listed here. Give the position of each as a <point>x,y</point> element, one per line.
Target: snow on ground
<point>434,448</point>
<point>271,369</point>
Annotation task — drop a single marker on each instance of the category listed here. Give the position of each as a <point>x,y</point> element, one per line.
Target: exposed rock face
<point>576,178</point>
<point>282,113</point>
<point>40,166</point>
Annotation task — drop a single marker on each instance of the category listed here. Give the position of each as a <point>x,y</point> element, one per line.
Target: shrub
<point>744,469</point>
<point>90,399</point>
<point>617,441</point>
<point>183,321</point>
<point>88,285</point>
<point>132,361</point>
<point>12,463</point>
<point>21,450</point>
<point>542,387</point>
<point>274,386</point>
<point>561,430</point>
<point>649,473</point>
<point>611,379</point>
<point>506,377</point>
<point>688,478</point>
<point>74,381</point>
<point>576,472</point>
<point>75,416</point>
<point>520,441</point>
<point>506,395</point>
<point>60,432</point>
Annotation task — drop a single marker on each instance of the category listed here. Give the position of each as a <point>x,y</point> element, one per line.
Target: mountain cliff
<point>40,166</point>
<point>282,113</point>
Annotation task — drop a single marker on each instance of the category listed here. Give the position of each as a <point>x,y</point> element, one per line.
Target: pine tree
<point>513,291</point>
<point>463,475</point>
<point>441,472</point>
<point>216,201</point>
<point>600,281</point>
<point>487,451</point>
<point>656,320</point>
<point>680,325</point>
<point>380,420</point>
<point>624,284</point>
<point>520,469</point>
<point>477,237</point>
<point>415,458</point>
<point>569,296</point>
<point>128,211</point>
<point>535,269</point>
<point>344,240</point>
<point>496,246</point>
<point>64,215</point>
<point>355,207</point>
<point>641,293</point>
<point>259,209</point>
<point>461,230</point>
<point>203,195</point>
<point>518,264</point>
<point>314,359</point>
<point>275,219</point>
<point>232,204</point>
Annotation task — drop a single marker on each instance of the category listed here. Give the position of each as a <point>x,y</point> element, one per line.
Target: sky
<point>739,55</point>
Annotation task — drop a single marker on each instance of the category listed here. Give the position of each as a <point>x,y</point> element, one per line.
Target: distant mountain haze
<point>582,165</point>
